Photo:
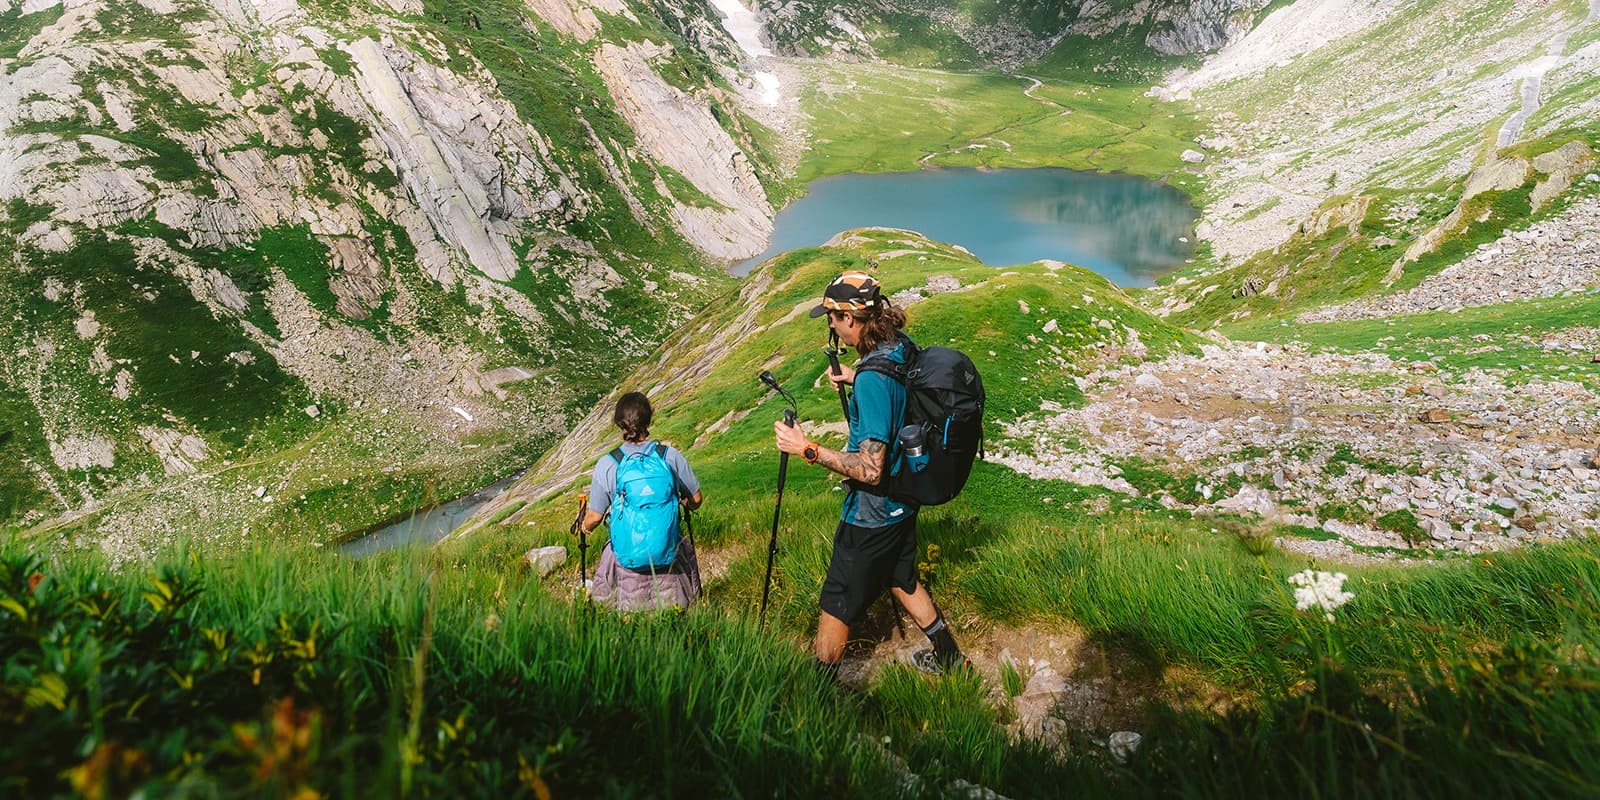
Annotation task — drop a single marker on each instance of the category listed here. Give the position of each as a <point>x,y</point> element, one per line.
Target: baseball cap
<point>852,291</point>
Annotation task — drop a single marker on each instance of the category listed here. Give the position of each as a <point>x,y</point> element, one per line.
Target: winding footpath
<point>1532,75</point>
<point>993,136</point>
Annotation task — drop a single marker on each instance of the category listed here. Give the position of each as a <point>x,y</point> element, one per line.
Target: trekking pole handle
<point>577,524</point>
<point>789,418</point>
<point>833,369</point>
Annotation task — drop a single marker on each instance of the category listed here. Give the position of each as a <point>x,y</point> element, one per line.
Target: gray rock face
<point>466,197</point>
<point>1200,26</point>
<point>234,146</point>
<point>1178,27</point>
<point>680,132</point>
<point>1557,255</point>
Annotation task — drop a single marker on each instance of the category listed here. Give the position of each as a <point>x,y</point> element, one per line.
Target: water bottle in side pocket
<point>912,448</point>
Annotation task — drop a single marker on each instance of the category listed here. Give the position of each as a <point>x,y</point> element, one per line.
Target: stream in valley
<point>426,525</point>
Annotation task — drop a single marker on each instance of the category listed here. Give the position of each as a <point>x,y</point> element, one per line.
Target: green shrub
<point>1405,523</point>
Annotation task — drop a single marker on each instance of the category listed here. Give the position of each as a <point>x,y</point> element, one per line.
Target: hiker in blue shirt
<point>657,568</point>
<point>875,545</point>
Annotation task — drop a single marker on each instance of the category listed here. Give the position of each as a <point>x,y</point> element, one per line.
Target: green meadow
<point>286,672</point>
<point>884,118</point>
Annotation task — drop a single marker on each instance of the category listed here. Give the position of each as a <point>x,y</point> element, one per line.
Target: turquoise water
<point>1128,229</point>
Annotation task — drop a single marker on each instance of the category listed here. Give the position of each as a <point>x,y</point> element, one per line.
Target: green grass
<point>21,442</point>
<point>271,673</point>
<point>876,118</point>
<point>452,669</point>
<point>685,191</point>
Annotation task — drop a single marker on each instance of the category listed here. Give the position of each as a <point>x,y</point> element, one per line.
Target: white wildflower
<point>1324,590</point>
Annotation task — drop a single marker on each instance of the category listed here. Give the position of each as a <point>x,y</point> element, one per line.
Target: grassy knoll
<point>878,118</point>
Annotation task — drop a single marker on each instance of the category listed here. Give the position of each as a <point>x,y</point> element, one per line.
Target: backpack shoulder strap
<point>661,450</point>
<point>616,455</point>
<point>883,366</point>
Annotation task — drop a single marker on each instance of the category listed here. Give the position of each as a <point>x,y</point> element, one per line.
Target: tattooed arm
<point>865,466</point>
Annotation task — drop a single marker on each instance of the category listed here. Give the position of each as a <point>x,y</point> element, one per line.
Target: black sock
<point>944,645</point>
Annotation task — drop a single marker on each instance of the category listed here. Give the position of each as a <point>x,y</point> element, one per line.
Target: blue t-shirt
<point>877,411</point>
<point>604,483</point>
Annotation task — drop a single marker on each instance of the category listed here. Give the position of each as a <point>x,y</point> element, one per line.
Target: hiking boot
<point>927,661</point>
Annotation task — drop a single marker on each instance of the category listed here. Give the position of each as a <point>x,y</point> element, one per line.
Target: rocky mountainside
<point>1361,146</point>
<point>279,248</point>
<point>1004,33</point>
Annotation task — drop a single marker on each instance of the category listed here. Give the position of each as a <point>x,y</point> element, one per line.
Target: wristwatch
<point>811,452</point>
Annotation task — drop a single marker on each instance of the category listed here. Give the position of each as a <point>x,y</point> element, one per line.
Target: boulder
<point>1123,744</point>
<point>1562,165</point>
<point>545,560</point>
<point>1348,214</point>
<point>1192,156</point>
<point>1436,528</point>
<point>1434,416</point>
<point>1039,698</point>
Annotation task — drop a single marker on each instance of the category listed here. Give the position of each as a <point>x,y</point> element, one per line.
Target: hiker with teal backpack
<point>906,448</point>
<point>643,484</point>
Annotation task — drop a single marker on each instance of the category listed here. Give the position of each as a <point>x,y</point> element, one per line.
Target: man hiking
<point>875,545</point>
<point>646,565</point>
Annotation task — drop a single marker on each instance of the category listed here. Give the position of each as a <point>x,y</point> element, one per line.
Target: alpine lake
<point>1128,229</point>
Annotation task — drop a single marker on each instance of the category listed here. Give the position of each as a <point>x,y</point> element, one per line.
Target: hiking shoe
<point>926,661</point>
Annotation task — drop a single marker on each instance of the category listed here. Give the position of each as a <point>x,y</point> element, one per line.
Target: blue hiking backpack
<point>644,516</point>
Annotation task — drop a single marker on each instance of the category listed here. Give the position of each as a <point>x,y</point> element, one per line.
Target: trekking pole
<point>583,540</point>
<point>688,524</point>
<point>789,418</point>
<point>777,510</point>
<point>833,367</point>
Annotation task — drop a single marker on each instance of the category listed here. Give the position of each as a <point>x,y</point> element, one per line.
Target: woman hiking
<point>646,565</point>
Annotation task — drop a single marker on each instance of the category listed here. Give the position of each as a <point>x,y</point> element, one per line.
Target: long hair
<point>633,416</point>
<point>878,326</point>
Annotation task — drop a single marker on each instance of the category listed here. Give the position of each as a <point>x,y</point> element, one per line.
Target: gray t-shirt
<point>604,484</point>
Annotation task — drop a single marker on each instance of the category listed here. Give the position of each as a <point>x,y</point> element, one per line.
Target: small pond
<point>1128,229</point>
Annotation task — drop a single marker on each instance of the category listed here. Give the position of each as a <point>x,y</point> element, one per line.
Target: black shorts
<point>865,562</point>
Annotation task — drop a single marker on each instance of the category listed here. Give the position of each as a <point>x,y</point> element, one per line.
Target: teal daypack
<point>644,516</point>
